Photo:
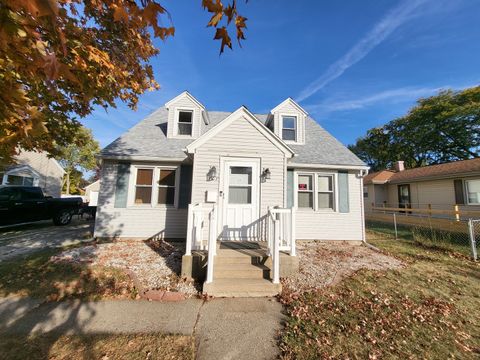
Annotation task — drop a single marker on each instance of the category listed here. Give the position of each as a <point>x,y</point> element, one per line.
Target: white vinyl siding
<point>332,225</point>
<point>240,139</point>
<point>184,104</point>
<point>289,110</point>
<point>141,222</point>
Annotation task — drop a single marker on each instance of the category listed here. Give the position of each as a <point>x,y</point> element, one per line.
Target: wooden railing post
<point>457,212</point>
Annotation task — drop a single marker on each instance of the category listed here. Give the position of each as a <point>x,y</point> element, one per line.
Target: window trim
<point>155,186</point>
<point>177,118</point>
<point>315,175</point>
<point>467,201</point>
<point>311,191</point>
<point>282,115</point>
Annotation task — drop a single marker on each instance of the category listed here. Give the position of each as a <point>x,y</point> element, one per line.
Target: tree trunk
<point>68,184</point>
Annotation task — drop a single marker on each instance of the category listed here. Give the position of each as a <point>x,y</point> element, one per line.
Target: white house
<point>34,169</point>
<point>231,181</point>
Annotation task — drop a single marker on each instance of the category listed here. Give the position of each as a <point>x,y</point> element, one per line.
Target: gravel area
<point>154,264</point>
<point>325,263</point>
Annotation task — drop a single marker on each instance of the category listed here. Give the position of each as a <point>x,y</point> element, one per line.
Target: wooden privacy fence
<point>455,213</point>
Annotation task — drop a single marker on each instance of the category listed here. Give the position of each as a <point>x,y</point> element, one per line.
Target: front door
<point>404,196</point>
<point>240,199</point>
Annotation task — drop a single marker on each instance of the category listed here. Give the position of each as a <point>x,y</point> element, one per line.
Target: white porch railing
<point>198,215</point>
<point>281,236</point>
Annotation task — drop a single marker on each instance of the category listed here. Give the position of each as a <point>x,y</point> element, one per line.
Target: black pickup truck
<point>20,204</point>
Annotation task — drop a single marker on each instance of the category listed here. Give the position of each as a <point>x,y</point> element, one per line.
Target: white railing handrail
<point>212,243</point>
<point>195,224</point>
<point>281,227</point>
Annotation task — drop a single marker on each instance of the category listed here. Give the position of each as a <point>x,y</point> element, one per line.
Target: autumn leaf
<point>222,34</point>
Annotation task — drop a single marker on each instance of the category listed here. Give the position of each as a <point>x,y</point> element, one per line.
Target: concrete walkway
<point>243,328</point>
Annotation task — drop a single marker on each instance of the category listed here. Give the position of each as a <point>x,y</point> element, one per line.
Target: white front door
<point>240,199</point>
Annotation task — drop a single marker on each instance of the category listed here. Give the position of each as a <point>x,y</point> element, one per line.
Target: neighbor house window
<point>143,186</point>
<point>166,187</point>
<point>289,128</point>
<point>473,191</point>
<point>185,122</point>
<point>19,180</point>
<point>305,191</point>
<point>365,191</point>
<point>325,191</point>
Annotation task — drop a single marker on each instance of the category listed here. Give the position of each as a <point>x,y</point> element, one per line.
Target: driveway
<point>25,239</point>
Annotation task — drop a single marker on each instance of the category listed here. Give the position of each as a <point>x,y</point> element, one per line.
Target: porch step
<point>235,287</point>
<point>235,257</point>
<point>235,270</point>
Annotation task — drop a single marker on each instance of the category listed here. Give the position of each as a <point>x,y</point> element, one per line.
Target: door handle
<point>40,202</point>
<point>18,203</point>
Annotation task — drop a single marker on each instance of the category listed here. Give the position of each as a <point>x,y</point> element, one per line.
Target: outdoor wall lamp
<point>212,174</point>
<point>266,174</point>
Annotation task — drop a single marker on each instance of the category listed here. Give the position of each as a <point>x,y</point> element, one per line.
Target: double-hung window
<point>144,186</point>
<point>316,191</point>
<point>325,191</point>
<point>289,128</point>
<point>185,122</point>
<point>305,191</point>
<point>155,186</point>
<point>166,187</point>
<point>473,191</point>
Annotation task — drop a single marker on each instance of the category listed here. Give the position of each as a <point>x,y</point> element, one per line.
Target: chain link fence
<point>459,235</point>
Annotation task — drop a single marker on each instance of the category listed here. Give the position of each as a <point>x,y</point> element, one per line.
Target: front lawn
<point>139,346</point>
<point>427,310</point>
<point>36,276</point>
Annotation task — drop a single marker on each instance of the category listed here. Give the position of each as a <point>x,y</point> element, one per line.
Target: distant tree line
<point>438,129</point>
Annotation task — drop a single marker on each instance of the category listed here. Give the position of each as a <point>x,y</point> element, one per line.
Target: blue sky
<point>351,64</point>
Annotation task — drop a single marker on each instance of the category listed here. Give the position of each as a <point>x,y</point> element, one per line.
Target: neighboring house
<point>440,186</point>
<point>188,173</point>
<point>91,193</point>
<point>34,169</point>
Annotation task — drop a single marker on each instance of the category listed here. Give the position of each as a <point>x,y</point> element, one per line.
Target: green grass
<point>427,310</point>
<point>36,276</point>
<point>440,239</point>
<point>101,346</point>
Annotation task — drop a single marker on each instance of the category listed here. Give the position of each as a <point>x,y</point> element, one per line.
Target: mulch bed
<point>153,265</point>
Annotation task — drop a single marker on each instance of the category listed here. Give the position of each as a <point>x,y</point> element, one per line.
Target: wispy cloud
<point>405,11</point>
<point>398,95</point>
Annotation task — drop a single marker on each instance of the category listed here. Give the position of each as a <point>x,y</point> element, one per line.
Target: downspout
<point>362,173</point>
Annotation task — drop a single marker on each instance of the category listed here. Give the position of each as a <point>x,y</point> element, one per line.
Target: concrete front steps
<point>241,273</point>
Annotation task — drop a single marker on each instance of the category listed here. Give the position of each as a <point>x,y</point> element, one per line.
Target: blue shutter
<point>290,189</point>
<point>185,186</point>
<point>343,199</point>
<point>121,185</point>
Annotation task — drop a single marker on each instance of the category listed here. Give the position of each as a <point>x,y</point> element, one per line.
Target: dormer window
<point>289,128</point>
<point>185,122</point>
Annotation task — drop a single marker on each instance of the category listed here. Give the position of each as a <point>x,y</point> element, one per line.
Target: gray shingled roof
<point>148,139</point>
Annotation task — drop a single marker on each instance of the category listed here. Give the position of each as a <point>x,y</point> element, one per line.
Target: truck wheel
<point>63,217</point>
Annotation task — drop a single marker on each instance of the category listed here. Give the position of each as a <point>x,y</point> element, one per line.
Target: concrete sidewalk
<point>243,328</point>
